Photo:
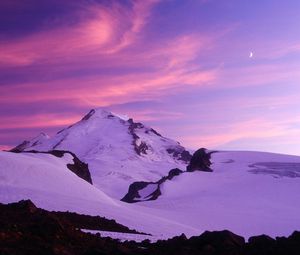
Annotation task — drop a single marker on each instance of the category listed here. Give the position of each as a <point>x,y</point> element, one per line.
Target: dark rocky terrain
<point>26,229</point>
<point>133,191</point>
<point>78,167</point>
<point>141,148</point>
<point>200,161</point>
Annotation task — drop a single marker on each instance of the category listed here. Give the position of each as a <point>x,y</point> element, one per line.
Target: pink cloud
<point>4,147</point>
<point>103,91</point>
<point>176,72</point>
<point>38,121</point>
<point>101,31</point>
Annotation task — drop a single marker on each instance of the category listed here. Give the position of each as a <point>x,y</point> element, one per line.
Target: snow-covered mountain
<point>249,193</point>
<point>117,150</point>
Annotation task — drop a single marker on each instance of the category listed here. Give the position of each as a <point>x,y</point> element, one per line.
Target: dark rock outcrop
<point>133,195</point>
<point>220,240</point>
<point>133,191</point>
<point>89,114</point>
<point>262,244</point>
<point>82,221</point>
<point>155,132</point>
<point>139,147</point>
<point>28,144</point>
<point>180,154</point>
<point>78,167</point>
<point>200,161</point>
<point>26,229</point>
<point>142,148</point>
<point>174,172</point>
<point>21,146</point>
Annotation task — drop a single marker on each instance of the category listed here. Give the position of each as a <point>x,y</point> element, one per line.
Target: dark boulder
<point>200,161</point>
<point>133,191</point>
<point>218,242</point>
<point>174,172</point>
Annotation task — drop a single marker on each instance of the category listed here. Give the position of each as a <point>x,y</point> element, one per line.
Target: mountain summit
<point>118,150</point>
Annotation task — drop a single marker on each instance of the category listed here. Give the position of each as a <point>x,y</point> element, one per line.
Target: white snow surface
<point>147,191</point>
<point>47,181</point>
<point>232,197</point>
<point>249,193</point>
<point>125,236</point>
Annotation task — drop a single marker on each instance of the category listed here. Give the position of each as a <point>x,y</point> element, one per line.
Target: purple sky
<point>182,67</point>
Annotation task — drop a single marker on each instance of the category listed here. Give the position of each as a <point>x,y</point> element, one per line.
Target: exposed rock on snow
<point>142,144</point>
<point>88,115</point>
<point>146,191</point>
<point>78,167</point>
<point>200,161</point>
<point>133,192</point>
<point>28,144</point>
<point>183,155</point>
<point>284,169</point>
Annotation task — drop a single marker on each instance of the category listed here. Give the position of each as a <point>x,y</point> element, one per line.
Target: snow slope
<point>45,174</point>
<point>236,197</point>
<point>118,151</point>
<point>232,197</point>
<point>46,180</point>
<point>123,236</point>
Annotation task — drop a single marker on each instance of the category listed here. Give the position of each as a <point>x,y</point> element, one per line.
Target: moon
<point>251,54</point>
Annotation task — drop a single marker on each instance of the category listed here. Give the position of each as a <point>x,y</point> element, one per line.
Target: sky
<point>220,74</point>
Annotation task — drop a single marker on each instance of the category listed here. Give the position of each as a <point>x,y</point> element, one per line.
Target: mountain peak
<point>100,112</point>
<point>103,113</point>
<point>33,142</point>
<point>116,147</point>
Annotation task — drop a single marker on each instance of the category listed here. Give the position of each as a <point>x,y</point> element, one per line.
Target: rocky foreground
<point>26,229</point>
